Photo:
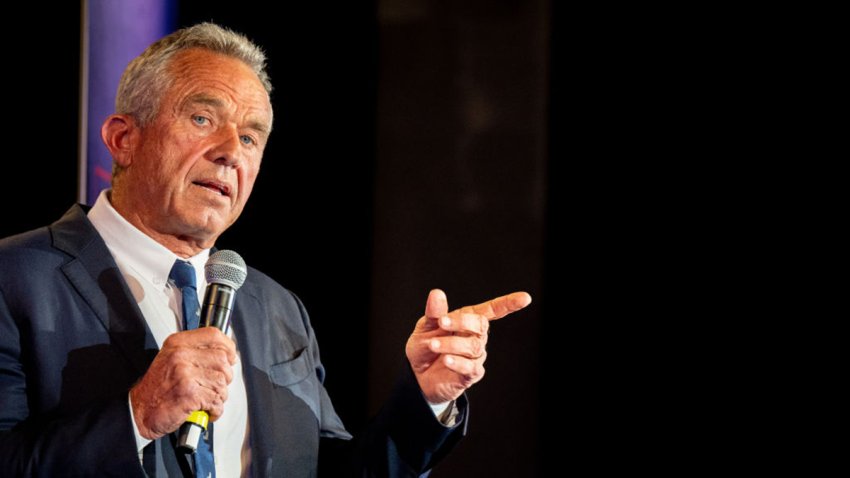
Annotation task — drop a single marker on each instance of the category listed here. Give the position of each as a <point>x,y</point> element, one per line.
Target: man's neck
<point>182,246</point>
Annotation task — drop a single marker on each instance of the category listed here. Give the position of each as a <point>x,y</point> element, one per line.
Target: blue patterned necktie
<point>183,275</point>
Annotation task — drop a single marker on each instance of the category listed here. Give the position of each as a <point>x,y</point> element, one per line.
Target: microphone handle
<point>217,307</point>
<point>215,312</point>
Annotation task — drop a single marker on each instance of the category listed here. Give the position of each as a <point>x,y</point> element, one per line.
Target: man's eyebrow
<point>258,126</point>
<point>205,100</point>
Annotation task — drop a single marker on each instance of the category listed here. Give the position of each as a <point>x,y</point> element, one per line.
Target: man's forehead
<point>199,65</point>
<point>205,77</point>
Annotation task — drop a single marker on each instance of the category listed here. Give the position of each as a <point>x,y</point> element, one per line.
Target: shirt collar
<point>129,245</point>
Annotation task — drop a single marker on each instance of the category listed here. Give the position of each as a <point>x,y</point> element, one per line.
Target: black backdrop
<point>335,181</point>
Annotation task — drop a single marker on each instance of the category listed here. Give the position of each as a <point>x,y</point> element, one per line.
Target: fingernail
<point>435,344</point>
<point>446,322</point>
<point>449,360</point>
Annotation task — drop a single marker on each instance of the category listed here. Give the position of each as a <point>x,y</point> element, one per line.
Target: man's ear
<point>120,134</point>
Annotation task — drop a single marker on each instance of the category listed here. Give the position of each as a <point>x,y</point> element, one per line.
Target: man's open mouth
<point>220,188</point>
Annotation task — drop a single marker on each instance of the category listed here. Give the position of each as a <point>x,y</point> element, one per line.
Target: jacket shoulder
<point>49,241</point>
<point>31,255</point>
<point>37,238</point>
<point>262,286</point>
<point>24,251</point>
<point>275,297</point>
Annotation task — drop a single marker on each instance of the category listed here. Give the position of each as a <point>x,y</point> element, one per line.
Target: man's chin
<point>204,229</point>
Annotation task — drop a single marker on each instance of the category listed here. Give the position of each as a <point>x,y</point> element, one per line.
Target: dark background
<point>413,148</point>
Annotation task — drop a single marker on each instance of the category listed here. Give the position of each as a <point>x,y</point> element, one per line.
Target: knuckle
<point>476,347</point>
<point>180,355</point>
<point>468,368</point>
<point>220,356</point>
<point>475,375</point>
<point>180,370</point>
<point>223,373</point>
<point>185,389</point>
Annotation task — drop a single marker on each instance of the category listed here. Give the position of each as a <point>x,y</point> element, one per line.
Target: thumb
<point>437,305</point>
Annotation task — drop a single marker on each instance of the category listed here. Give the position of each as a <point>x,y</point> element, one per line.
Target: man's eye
<point>247,139</point>
<point>200,120</point>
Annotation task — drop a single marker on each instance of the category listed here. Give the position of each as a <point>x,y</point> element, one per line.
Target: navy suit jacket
<point>73,341</point>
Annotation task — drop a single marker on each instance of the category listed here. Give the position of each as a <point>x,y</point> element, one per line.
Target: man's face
<point>193,167</point>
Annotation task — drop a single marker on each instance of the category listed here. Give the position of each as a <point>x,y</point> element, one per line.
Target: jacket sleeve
<point>405,439</point>
<point>95,440</point>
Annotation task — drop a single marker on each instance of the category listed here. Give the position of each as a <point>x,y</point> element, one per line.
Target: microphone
<point>225,272</point>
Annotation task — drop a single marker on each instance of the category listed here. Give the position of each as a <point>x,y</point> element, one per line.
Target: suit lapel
<point>94,274</point>
<point>96,277</point>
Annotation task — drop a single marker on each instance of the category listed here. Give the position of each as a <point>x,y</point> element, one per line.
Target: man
<point>98,365</point>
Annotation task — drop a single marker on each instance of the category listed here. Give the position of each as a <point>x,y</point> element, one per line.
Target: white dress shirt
<point>145,265</point>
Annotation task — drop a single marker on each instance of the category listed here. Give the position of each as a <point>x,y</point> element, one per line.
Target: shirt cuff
<point>141,442</point>
<point>445,412</point>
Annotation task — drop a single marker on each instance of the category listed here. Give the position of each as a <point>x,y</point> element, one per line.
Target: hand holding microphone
<point>190,374</point>
<point>225,272</point>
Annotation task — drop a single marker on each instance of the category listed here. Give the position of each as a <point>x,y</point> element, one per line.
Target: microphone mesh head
<point>227,268</point>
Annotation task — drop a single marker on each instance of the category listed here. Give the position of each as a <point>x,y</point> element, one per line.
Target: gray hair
<point>147,77</point>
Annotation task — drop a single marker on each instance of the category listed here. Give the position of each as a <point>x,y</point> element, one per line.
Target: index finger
<point>499,307</point>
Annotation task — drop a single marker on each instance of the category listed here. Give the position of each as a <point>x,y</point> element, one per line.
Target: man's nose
<point>226,150</point>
